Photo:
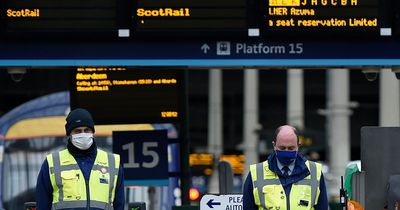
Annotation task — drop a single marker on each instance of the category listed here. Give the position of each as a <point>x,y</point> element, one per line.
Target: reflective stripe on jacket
<point>270,194</point>
<point>69,185</point>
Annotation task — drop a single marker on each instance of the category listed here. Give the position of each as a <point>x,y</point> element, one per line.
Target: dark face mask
<point>286,157</point>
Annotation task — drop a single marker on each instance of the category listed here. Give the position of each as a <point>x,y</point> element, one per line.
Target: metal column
<point>338,123</point>
<point>295,98</point>
<point>389,99</point>
<point>215,137</point>
<point>250,118</point>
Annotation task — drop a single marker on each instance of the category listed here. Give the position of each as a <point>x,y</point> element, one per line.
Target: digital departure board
<point>156,20</point>
<point>337,16</point>
<point>119,95</point>
<point>124,18</point>
<point>48,16</point>
<point>191,15</point>
<point>202,163</point>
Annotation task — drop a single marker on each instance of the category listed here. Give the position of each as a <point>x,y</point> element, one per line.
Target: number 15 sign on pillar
<point>143,156</point>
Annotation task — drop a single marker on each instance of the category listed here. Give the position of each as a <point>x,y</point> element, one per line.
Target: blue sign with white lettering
<point>143,156</point>
<point>383,52</point>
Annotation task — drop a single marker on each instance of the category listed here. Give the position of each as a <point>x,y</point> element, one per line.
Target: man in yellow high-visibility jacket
<point>287,180</point>
<point>80,176</point>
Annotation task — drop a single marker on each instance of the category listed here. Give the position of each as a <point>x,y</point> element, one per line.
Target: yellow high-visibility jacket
<point>270,194</point>
<point>69,185</point>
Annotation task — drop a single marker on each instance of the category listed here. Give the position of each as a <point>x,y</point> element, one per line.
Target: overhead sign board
<point>221,202</point>
<point>124,19</point>
<point>73,17</point>
<point>201,54</point>
<point>341,17</point>
<point>121,95</point>
<point>143,156</point>
<point>190,17</point>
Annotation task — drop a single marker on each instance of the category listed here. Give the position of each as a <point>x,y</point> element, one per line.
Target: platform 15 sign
<point>143,156</point>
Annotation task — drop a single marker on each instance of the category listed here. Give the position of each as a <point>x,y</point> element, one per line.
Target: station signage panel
<point>143,156</point>
<point>202,163</point>
<point>221,202</point>
<point>199,19</point>
<point>190,16</point>
<point>318,18</point>
<point>50,18</point>
<point>120,95</point>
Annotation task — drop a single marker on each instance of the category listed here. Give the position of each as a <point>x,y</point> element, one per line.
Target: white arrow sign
<point>205,48</point>
<point>221,202</point>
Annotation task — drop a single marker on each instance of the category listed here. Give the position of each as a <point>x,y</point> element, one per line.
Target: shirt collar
<point>290,166</point>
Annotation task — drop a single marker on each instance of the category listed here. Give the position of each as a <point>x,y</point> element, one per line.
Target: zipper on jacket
<point>87,196</point>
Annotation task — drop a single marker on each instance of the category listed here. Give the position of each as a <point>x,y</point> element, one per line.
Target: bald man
<point>286,180</point>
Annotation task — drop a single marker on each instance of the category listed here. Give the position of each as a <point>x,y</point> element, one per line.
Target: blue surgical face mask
<point>286,157</point>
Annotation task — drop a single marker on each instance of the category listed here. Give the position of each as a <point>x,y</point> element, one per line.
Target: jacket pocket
<point>70,181</point>
<point>302,195</point>
<point>273,196</point>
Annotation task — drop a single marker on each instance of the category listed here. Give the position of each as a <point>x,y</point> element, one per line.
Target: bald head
<point>286,138</point>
